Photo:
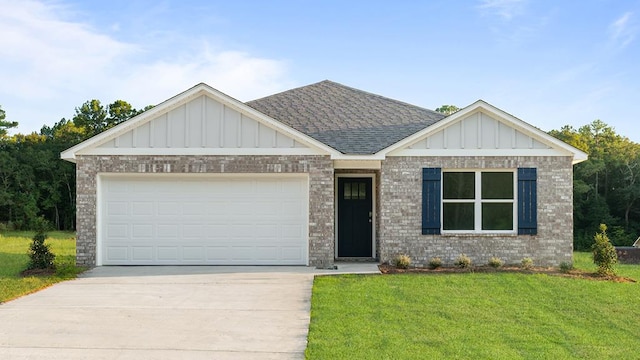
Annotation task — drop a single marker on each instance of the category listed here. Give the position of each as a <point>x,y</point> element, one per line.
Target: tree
<point>94,118</point>
<point>4,124</point>
<point>606,186</point>
<point>40,255</point>
<point>604,254</point>
<point>34,181</point>
<point>447,109</point>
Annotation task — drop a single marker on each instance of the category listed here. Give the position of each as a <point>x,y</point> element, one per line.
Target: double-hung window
<point>478,201</point>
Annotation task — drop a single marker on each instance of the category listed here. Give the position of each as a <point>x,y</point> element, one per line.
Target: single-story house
<point>318,174</point>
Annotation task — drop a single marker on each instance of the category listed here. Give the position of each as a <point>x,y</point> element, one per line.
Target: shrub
<point>495,262</point>
<point>604,254</point>
<point>435,263</point>
<point>463,261</point>
<point>526,263</point>
<point>39,254</point>
<point>402,261</point>
<point>566,266</point>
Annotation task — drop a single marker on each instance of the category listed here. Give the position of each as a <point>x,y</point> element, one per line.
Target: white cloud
<point>41,53</point>
<point>506,9</point>
<point>235,73</point>
<point>51,63</point>
<point>623,30</point>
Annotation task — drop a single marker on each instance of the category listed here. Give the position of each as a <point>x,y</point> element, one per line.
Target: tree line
<point>606,187</point>
<point>35,183</point>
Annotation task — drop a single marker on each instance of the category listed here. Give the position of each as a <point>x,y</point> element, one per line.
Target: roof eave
<point>481,105</point>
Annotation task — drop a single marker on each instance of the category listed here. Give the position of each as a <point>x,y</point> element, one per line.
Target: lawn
<point>475,316</point>
<point>13,259</point>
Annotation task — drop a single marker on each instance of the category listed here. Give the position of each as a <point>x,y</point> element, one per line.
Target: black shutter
<point>527,202</point>
<point>431,200</point>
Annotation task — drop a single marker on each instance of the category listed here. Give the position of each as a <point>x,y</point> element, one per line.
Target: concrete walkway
<point>166,312</point>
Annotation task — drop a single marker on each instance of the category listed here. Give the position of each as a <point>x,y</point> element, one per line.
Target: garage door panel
<point>168,208</point>
<point>141,231</point>
<point>218,254</point>
<point>117,208</point>
<point>118,231</point>
<point>193,253</point>
<point>193,231</point>
<point>167,231</point>
<point>142,253</point>
<point>266,253</point>
<point>141,208</point>
<point>168,253</point>
<point>291,253</point>
<point>204,220</point>
<point>117,253</point>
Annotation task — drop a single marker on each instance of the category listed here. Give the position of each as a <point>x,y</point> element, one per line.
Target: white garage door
<point>189,220</point>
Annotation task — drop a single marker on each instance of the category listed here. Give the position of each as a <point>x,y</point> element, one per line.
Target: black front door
<point>354,217</point>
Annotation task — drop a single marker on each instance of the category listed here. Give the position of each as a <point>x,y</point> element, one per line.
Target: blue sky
<point>550,63</point>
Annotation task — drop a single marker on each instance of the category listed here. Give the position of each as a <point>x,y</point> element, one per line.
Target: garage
<point>202,219</point>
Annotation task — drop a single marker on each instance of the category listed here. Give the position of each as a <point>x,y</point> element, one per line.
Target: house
<point>316,174</point>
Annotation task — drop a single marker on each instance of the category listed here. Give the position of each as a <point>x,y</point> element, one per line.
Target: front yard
<point>475,316</point>
<point>14,259</point>
<point>418,316</point>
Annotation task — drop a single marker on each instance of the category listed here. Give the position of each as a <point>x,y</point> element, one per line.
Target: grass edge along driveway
<point>14,247</point>
<point>475,315</point>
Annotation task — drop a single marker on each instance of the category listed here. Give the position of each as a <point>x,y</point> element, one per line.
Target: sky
<point>550,63</point>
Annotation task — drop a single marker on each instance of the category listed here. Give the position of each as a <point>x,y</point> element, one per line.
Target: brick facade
<point>398,206</point>
<point>321,191</point>
<point>401,208</point>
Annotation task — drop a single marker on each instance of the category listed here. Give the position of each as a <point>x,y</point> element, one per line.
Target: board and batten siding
<point>479,131</point>
<point>202,123</point>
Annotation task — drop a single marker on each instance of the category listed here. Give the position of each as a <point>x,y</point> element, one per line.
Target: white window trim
<point>477,203</point>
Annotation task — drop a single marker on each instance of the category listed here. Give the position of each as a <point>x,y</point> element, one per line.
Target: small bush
<point>463,262</point>
<point>526,263</point>
<point>402,261</point>
<point>566,266</point>
<point>495,262</point>
<point>435,263</point>
<point>39,254</point>
<point>604,254</point>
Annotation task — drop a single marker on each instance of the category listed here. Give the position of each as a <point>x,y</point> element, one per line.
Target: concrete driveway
<point>166,312</point>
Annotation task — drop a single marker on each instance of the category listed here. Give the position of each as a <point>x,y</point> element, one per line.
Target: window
<point>355,191</point>
<point>478,201</point>
<point>466,198</point>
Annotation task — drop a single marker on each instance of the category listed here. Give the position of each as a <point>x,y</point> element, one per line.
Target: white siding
<point>479,131</point>
<point>202,123</point>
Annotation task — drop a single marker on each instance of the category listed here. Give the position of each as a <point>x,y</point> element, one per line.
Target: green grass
<point>13,259</point>
<point>475,316</point>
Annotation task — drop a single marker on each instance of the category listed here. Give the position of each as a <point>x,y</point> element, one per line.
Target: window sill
<point>448,234</point>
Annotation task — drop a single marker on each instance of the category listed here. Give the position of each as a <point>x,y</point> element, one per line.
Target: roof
<point>328,118</point>
<point>349,120</point>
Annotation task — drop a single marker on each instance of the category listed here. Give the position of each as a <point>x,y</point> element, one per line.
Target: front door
<point>355,213</point>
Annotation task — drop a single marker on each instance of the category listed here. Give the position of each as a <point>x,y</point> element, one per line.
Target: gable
<point>479,131</point>
<point>200,121</point>
<point>203,123</point>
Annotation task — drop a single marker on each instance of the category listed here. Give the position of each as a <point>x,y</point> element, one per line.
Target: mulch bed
<point>390,269</point>
<point>38,272</point>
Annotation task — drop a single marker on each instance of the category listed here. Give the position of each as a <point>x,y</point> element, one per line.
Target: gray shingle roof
<point>349,120</point>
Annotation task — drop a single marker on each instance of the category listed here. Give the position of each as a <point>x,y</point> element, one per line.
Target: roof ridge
<point>284,91</point>
<point>377,95</point>
<point>327,81</point>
